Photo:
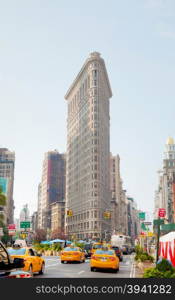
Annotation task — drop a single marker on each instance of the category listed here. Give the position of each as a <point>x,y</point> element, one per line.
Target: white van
<point>21,243</point>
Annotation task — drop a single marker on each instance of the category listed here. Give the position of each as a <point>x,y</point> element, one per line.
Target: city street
<point>54,269</point>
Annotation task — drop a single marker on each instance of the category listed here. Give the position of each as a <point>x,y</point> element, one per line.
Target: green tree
<point>40,235</point>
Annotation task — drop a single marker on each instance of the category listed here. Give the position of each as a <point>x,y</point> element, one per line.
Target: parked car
<point>131,249</point>
<point>125,249</point>
<point>118,252</point>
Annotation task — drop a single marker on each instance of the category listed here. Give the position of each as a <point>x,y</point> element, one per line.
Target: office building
<point>88,151</point>
<point>7,165</point>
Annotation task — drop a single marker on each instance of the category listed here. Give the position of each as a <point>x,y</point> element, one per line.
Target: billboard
<point>4,184</point>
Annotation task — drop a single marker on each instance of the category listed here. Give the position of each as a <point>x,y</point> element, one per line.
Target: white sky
<point>43,45</point>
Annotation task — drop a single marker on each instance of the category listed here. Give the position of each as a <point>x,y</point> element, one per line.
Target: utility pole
<point>158,237</point>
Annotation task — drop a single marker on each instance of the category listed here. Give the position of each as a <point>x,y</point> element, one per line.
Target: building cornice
<point>94,56</point>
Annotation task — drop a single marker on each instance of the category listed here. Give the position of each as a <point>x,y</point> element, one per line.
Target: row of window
<point>82,226</point>
<point>82,91</point>
<point>2,166</point>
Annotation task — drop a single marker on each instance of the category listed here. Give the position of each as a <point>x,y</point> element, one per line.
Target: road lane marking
<point>131,273</point>
<point>52,265</point>
<point>81,272</point>
<point>134,274</point>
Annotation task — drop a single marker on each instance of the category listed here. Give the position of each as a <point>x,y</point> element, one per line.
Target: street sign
<point>147,223</point>
<point>161,212</point>
<point>150,234</point>
<point>142,215</point>
<point>23,236</point>
<point>25,224</point>
<point>12,232</point>
<point>142,234</point>
<point>11,226</point>
<point>168,227</point>
<point>143,227</point>
<point>1,231</point>
<point>158,221</point>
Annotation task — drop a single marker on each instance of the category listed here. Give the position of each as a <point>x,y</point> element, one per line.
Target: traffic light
<point>107,215</point>
<point>69,213</point>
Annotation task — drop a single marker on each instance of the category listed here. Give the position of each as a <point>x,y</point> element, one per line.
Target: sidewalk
<point>140,268</point>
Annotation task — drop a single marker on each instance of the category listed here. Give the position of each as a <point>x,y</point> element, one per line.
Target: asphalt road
<point>54,269</point>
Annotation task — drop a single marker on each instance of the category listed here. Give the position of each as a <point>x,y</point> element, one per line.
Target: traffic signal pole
<point>158,237</point>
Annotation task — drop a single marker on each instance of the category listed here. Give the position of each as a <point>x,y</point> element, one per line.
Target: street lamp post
<point>158,237</point>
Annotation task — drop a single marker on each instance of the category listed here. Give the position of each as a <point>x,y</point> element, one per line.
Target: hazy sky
<point>43,45</point>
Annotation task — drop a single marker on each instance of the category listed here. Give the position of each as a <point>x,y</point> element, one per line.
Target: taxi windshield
<point>71,249</point>
<point>97,246</point>
<point>20,251</point>
<point>107,252</point>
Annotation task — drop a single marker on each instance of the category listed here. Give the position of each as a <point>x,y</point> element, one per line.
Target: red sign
<point>162,212</point>
<point>142,233</point>
<point>11,226</point>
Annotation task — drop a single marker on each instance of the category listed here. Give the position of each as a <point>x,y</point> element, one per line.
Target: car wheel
<point>115,270</point>
<point>42,269</point>
<point>30,270</point>
<point>62,261</point>
<point>92,269</point>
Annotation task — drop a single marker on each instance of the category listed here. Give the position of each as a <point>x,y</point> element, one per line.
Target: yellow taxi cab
<point>107,245</point>
<point>104,258</point>
<point>72,253</point>
<point>96,246</point>
<point>33,262</point>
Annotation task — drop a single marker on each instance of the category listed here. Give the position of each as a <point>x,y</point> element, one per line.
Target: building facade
<point>58,217</point>
<point>133,220</point>
<point>165,194</point>
<point>34,221</point>
<point>88,150</point>
<point>119,221</point>
<point>25,214</point>
<point>115,186</point>
<point>7,166</point>
<point>52,187</point>
<point>39,208</point>
<point>123,214</point>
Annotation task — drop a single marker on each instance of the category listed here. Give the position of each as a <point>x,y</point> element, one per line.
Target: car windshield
<point>87,247</point>
<point>71,249</point>
<point>109,252</point>
<point>115,248</point>
<point>97,246</point>
<point>20,251</point>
